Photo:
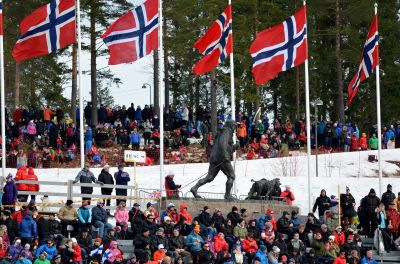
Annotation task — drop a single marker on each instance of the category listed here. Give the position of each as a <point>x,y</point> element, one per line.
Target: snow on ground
<point>343,169</point>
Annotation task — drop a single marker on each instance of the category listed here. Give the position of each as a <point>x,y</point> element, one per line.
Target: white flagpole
<point>308,124</point>
<point>82,143</point>
<point>3,107</point>
<point>161,93</point>
<point>378,117</point>
<point>233,99</point>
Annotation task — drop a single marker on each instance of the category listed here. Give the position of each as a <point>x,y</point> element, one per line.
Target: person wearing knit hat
<point>194,240</point>
<point>284,226</point>
<point>388,196</point>
<point>10,192</point>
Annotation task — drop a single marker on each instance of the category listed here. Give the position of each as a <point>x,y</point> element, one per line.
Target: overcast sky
<point>133,76</point>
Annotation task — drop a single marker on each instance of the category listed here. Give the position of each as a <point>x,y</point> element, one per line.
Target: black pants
<point>65,223</point>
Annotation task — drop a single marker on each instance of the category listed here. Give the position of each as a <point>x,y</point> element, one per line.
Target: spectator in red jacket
<point>32,187</point>
<point>287,195</point>
<point>21,175</point>
<point>340,238</point>
<point>249,246</point>
<point>77,255</point>
<point>220,243</point>
<point>354,142</point>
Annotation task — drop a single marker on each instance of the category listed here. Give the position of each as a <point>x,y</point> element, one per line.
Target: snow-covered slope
<point>343,169</point>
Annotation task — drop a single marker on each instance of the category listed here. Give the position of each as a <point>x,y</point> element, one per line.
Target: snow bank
<point>343,169</point>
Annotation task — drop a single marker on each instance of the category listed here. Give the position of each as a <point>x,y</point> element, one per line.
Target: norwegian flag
<point>369,60</point>
<point>280,48</point>
<point>47,29</point>
<point>216,45</point>
<point>134,35</point>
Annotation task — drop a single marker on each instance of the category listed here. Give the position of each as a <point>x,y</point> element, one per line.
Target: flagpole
<point>308,125</point>
<point>82,143</point>
<point>3,105</point>
<point>233,106</point>
<point>161,93</point>
<point>378,117</point>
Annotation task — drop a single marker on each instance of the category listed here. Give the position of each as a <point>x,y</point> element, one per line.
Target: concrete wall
<point>253,207</point>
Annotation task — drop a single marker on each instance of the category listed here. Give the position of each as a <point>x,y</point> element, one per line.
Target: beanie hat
<point>196,228</point>
<point>69,202</point>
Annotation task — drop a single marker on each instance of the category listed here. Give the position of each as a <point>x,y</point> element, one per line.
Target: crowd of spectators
<point>183,236</point>
<point>51,135</point>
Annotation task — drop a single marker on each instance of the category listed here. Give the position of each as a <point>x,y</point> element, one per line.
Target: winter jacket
<point>190,242</point>
<point>363,143</point>
<point>14,251</point>
<point>138,113</point>
<point>24,261</point>
<point>205,219</point>
<point>88,135</point>
<point>235,218</point>
<point>171,214</point>
<point>283,225</point>
<point>364,260</point>
<point>67,213</point>
<point>289,197</point>
<point>77,255</point>
<point>240,232</point>
<point>21,175</point>
<point>121,215</point>
<point>135,138</point>
<point>157,240</point>
<point>86,176</point>
<point>388,198</point>
<point>185,213</point>
<point>388,135</point>
<point>99,214</point>
<point>47,113</point>
<point>176,242</point>
<point>32,177</point>
<point>44,228</point>
<point>84,215</point>
<point>10,193</point>
<point>31,129</point>
<point>369,203</point>
<point>12,227</point>
<point>51,251</point>
<point>340,260</point>
<point>205,257</point>
<point>339,238</point>
<point>220,244</point>
<point>373,143</point>
<point>262,257</point>
<point>121,178</point>
<point>28,228</point>
<point>249,246</point>
<point>106,178</point>
<point>346,202</point>
<point>323,203</point>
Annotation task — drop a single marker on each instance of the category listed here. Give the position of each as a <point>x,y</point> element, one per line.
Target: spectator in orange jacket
<point>241,133</point>
<point>287,195</point>
<point>47,113</point>
<point>354,142</point>
<point>183,211</point>
<point>249,246</point>
<point>77,254</point>
<point>160,253</point>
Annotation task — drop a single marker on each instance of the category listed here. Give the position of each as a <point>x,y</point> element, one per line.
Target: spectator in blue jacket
<point>23,260</point>
<point>135,139</point>
<point>10,192</point>
<point>27,229</point>
<point>49,248</point>
<point>138,113</point>
<point>84,215</point>
<point>368,259</point>
<point>121,178</point>
<point>194,240</point>
<point>262,254</point>
<point>88,139</point>
<point>100,217</point>
<point>388,135</point>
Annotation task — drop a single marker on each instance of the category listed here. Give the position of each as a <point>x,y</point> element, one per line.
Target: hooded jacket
<point>10,193</point>
<point>323,203</point>
<point>28,228</point>
<point>21,175</point>
<point>186,213</point>
<point>32,177</point>
<point>106,178</point>
<point>86,176</point>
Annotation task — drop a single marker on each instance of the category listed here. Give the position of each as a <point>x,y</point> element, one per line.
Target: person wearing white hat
<point>171,188</point>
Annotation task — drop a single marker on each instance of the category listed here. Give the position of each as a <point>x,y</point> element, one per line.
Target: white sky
<point>133,76</point>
